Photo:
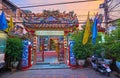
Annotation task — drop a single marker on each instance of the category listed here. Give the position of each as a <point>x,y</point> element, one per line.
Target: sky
<point>81,9</point>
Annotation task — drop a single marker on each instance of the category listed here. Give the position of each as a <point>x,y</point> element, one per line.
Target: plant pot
<point>118,64</point>
<point>15,64</point>
<point>108,61</point>
<point>81,62</point>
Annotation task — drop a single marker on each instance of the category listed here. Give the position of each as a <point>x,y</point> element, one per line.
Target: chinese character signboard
<point>46,33</point>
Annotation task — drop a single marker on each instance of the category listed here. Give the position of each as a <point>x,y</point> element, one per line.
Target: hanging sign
<point>45,33</point>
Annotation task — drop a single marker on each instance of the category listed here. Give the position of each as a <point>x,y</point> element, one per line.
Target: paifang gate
<point>49,33</point>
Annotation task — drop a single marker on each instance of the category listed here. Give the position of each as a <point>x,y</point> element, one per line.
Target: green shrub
<point>81,51</point>
<point>13,49</point>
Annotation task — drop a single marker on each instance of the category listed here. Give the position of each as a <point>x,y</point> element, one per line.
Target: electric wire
<point>114,7</point>
<point>62,3</point>
<point>115,11</point>
<point>109,5</point>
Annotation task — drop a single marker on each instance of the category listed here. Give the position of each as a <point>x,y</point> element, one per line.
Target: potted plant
<point>113,48</point>
<point>81,51</point>
<point>115,53</point>
<point>13,51</point>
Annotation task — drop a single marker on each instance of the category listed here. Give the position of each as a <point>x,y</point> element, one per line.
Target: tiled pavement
<point>55,73</point>
<point>52,71</point>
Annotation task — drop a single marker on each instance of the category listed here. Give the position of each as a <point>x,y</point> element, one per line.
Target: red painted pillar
<point>29,55</point>
<point>34,49</point>
<point>69,55</point>
<point>43,49</point>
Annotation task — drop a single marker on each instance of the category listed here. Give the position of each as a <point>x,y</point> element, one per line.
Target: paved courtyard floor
<point>55,73</point>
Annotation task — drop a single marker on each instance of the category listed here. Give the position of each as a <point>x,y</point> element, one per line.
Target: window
<point>2,45</point>
<point>3,38</point>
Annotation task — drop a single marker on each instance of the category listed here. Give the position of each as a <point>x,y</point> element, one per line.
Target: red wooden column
<point>69,64</point>
<point>65,47</point>
<point>29,55</point>
<point>43,49</point>
<point>34,48</point>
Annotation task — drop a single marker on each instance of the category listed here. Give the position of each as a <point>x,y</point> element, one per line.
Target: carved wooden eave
<point>58,27</point>
<point>51,20</point>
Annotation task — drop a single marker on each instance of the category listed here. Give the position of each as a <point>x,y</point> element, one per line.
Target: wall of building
<point>0,6</point>
<point>12,10</point>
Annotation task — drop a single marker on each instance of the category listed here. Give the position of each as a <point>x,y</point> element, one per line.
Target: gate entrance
<point>49,33</point>
<point>50,49</point>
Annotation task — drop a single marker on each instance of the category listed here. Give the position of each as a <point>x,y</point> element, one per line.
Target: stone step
<point>44,63</point>
<point>49,66</point>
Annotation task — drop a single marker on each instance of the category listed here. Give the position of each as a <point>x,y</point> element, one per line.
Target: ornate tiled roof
<point>50,19</point>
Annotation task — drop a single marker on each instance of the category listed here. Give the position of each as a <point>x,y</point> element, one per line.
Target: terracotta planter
<point>15,64</point>
<point>81,62</point>
<point>108,61</point>
<point>118,64</point>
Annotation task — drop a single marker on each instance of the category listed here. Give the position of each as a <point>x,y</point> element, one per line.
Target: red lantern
<point>65,32</point>
<point>77,25</point>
